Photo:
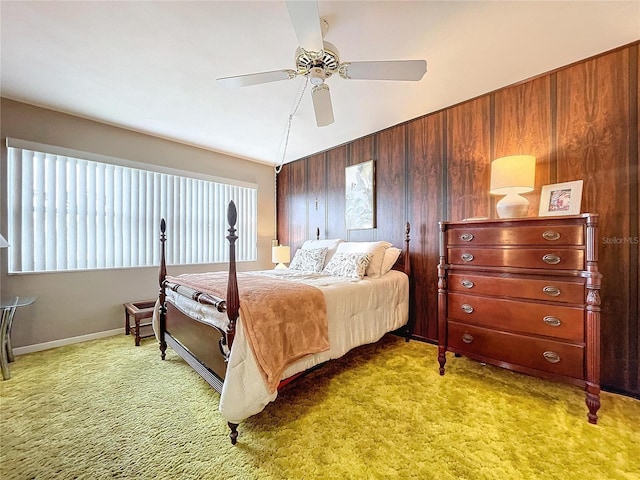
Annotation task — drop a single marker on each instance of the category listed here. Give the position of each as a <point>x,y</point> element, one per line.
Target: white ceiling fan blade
<point>306,23</point>
<point>256,78</point>
<point>385,70</point>
<point>322,105</point>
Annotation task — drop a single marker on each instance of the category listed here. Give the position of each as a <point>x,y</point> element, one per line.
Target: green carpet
<point>107,409</point>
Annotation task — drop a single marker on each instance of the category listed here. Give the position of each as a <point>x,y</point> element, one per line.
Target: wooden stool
<point>140,310</point>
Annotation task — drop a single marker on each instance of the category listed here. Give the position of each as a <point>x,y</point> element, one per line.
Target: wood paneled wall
<point>581,122</point>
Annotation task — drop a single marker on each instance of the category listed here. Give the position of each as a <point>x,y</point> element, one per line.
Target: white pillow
<point>391,254</point>
<point>374,249</point>
<point>308,260</point>
<point>349,265</point>
<point>330,245</point>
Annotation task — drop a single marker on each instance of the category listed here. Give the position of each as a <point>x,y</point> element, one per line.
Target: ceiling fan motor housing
<point>318,66</point>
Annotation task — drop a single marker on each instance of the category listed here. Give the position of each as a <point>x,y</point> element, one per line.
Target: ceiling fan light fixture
<point>317,76</point>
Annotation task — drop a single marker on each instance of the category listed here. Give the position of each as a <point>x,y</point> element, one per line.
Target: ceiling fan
<point>318,60</point>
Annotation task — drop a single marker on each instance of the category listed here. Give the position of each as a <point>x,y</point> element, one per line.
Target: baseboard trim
<point>65,341</point>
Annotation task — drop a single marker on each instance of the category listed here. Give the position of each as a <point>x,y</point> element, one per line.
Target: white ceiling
<point>151,66</point>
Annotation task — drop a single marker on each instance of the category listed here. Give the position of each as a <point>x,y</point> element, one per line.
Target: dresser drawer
<point>525,235</point>
<point>538,353</point>
<point>565,291</point>
<point>550,259</point>
<point>518,316</point>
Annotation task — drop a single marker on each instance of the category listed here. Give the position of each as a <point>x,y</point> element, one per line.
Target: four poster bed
<point>249,333</point>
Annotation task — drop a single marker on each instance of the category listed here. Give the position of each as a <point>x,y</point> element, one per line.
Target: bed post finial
<point>163,264</point>
<point>232,217</point>
<point>161,298</point>
<point>233,299</point>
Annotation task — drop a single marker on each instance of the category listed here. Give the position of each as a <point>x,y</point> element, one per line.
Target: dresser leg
<point>442,359</point>
<point>593,402</point>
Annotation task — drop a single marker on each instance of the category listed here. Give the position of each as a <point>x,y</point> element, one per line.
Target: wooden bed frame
<point>205,347</point>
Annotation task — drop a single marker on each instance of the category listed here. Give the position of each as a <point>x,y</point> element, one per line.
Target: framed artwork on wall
<point>561,199</point>
<point>360,211</point>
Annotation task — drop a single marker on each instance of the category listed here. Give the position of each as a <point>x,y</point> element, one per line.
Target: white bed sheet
<point>358,313</point>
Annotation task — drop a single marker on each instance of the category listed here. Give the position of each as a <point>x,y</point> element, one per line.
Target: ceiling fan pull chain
<point>289,122</point>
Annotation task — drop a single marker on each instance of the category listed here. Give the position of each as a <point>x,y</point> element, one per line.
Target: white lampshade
<point>512,176</point>
<point>280,255</point>
<point>3,242</point>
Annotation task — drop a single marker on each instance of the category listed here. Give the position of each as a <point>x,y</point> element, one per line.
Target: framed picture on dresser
<point>561,199</point>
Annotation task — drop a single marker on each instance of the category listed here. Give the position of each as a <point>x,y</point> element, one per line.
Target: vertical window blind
<point>70,213</point>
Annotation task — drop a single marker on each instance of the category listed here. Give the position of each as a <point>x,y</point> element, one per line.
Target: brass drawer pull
<point>466,237</point>
<point>551,357</point>
<point>467,283</point>
<point>466,338</point>
<point>551,259</point>
<point>551,235</point>
<point>467,257</point>
<point>552,321</point>
<point>466,308</point>
<point>551,291</point>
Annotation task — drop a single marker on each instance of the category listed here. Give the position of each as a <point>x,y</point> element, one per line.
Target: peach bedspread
<point>283,321</point>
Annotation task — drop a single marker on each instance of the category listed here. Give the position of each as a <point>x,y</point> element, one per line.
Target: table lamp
<point>280,254</point>
<point>511,176</point>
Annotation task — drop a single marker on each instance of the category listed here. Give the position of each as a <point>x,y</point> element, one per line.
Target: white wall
<point>83,303</point>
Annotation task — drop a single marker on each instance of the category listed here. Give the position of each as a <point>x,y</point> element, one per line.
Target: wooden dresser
<point>523,294</point>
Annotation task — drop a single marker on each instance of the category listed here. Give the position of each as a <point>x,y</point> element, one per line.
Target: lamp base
<point>512,206</point>
<point>280,266</point>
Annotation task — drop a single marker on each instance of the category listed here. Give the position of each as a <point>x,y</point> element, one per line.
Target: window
<point>68,213</point>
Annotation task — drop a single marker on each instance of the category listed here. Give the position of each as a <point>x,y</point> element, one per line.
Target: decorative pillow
<point>330,245</point>
<point>374,249</point>
<point>391,254</point>
<point>349,265</point>
<point>308,260</point>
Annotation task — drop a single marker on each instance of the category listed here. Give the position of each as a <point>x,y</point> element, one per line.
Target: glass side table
<point>9,306</point>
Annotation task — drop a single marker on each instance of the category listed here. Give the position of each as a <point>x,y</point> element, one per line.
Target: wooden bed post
<point>161,277</point>
<point>407,258</point>
<point>407,271</point>
<point>233,298</point>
